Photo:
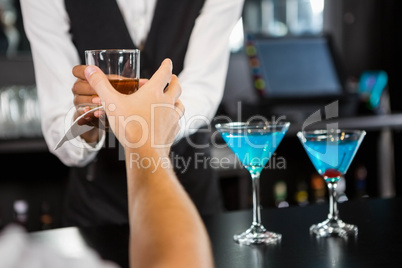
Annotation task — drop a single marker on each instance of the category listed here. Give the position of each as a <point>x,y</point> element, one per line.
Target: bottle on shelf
<point>280,194</point>
<point>318,188</point>
<point>360,182</point>
<point>46,218</point>
<point>301,194</point>
<point>21,208</point>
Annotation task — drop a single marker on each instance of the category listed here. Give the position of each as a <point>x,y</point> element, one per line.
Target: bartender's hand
<point>86,98</point>
<point>146,119</point>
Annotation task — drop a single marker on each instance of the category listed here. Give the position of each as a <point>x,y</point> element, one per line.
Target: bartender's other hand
<point>147,118</point>
<point>86,98</point>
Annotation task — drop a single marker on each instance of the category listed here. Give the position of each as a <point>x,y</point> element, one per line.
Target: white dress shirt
<point>202,79</point>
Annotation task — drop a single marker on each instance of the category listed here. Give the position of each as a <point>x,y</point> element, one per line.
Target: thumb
<point>99,82</point>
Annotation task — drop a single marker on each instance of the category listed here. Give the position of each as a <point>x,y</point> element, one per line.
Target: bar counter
<point>378,243</point>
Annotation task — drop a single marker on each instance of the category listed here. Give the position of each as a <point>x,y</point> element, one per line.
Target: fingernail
<point>96,100</point>
<point>169,61</point>
<point>89,71</point>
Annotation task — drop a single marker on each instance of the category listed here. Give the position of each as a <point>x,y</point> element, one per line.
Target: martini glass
<point>331,152</point>
<point>253,144</point>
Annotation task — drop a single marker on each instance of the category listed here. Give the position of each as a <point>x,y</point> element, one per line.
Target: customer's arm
<point>165,228</point>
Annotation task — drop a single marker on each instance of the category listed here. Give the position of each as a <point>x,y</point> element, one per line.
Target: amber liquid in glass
<point>125,86</point>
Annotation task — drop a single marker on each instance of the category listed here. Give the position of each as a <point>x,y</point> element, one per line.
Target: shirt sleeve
<point>46,25</point>
<point>206,62</point>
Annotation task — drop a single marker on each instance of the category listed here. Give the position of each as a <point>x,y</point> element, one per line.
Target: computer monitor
<point>296,68</point>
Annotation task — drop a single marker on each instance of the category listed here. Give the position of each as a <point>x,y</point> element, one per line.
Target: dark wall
<point>368,34</point>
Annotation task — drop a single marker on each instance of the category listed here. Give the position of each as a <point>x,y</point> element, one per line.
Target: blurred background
<point>289,59</point>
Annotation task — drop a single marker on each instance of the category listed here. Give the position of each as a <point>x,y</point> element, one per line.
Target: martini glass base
<point>257,234</point>
<point>332,227</point>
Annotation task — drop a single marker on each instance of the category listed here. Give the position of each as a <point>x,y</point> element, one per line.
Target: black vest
<point>97,193</point>
<point>98,24</point>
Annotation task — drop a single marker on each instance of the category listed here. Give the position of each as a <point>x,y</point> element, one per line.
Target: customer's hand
<point>147,118</point>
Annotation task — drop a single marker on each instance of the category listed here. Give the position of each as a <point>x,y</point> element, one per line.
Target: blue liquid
<point>253,150</point>
<point>331,155</point>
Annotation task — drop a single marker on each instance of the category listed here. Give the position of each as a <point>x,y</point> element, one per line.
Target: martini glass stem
<point>333,205</point>
<point>256,198</point>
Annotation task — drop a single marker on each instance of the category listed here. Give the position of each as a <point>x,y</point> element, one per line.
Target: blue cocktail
<point>254,144</point>
<point>331,152</point>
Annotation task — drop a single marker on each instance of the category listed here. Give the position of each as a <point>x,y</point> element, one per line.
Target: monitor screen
<point>297,68</point>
